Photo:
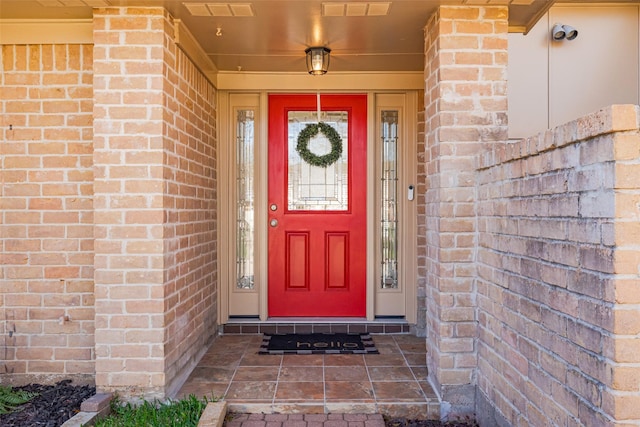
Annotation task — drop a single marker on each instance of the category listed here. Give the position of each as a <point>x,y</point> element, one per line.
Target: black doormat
<point>317,344</point>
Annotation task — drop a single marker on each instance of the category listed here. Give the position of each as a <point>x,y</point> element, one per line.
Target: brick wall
<point>46,202</point>
<point>155,207</point>
<point>465,110</point>
<point>190,211</point>
<point>558,271</point>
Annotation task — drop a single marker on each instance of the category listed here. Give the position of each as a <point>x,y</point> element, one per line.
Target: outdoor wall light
<point>317,60</point>
<point>560,32</point>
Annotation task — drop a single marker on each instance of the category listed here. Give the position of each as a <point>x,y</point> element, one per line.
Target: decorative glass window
<point>316,187</point>
<point>245,205</point>
<point>389,198</point>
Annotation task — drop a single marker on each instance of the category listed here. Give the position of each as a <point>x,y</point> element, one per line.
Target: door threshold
<point>307,325</point>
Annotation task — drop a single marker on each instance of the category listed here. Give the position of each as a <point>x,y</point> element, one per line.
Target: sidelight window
<point>245,204</point>
<point>389,198</point>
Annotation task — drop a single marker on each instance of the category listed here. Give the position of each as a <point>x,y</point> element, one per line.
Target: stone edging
<point>97,406</point>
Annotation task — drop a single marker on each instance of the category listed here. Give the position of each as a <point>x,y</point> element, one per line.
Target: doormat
<point>317,344</point>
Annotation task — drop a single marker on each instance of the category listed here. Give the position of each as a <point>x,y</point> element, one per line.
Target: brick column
<point>621,396</point>
<point>465,109</point>
<point>128,157</point>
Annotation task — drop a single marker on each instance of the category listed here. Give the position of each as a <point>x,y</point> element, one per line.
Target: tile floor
<point>392,382</point>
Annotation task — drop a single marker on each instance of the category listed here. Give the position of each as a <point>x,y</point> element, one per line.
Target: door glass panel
<point>245,199</point>
<point>311,187</point>
<point>389,197</point>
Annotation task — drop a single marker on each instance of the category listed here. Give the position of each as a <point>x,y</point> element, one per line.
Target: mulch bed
<point>54,405</point>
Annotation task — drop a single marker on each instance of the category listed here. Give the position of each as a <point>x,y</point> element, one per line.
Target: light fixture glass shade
<point>317,60</point>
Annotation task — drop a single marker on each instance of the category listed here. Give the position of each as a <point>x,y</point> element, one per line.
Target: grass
<point>174,413</point>
<point>10,399</point>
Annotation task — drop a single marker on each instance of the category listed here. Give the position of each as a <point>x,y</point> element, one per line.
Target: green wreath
<point>332,135</point>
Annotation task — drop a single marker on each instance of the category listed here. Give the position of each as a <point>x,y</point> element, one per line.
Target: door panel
<point>317,214</point>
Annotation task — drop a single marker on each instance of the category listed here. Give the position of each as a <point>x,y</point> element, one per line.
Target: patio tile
<point>260,360</point>
<point>393,381</point>
<point>221,360</point>
<point>384,360</point>
<point>301,373</point>
<point>416,359</point>
<point>412,345</point>
<point>251,390</point>
<point>428,390</point>
<point>420,372</point>
<point>383,339</point>
<point>346,373</point>
<point>209,374</point>
<point>349,390</point>
<point>394,391</point>
<point>390,373</point>
<point>343,360</point>
<point>256,373</point>
<point>300,391</point>
<point>303,360</point>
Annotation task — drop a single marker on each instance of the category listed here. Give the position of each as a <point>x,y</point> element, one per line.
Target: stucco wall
<point>46,211</point>
<point>558,275</point>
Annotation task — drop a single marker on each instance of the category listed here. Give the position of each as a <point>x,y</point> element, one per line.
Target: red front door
<point>317,211</point>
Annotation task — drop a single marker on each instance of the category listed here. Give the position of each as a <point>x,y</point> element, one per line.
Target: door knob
<point>273,223</point>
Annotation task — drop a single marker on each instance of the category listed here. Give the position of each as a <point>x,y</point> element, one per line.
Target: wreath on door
<point>309,132</point>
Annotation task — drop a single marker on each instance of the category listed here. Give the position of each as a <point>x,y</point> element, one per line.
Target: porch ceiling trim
<point>46,31</point>
<point>335,81</point>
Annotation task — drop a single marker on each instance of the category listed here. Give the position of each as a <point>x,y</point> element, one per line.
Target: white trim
<point>262,213</point>
<point>371,206</point>
<point>46,31</point>
<point>260,99</point>
<point>332,81</point>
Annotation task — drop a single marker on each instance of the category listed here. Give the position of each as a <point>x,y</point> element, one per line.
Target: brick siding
<point>46,211</point>
<point>558,274</point>
<point>155,204</point>
<point>108,194</point>
<point>465,110</point>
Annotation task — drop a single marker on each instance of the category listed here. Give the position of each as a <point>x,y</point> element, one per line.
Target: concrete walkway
<point>304,420</point>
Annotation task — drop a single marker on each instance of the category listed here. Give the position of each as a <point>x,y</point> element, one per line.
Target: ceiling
<point>271,35</point>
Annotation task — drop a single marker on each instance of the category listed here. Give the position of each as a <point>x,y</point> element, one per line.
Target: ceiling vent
<point>355,9</point>
<point>220,9</point>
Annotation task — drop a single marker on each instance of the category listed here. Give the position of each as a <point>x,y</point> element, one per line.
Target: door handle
<point>273,222</point>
